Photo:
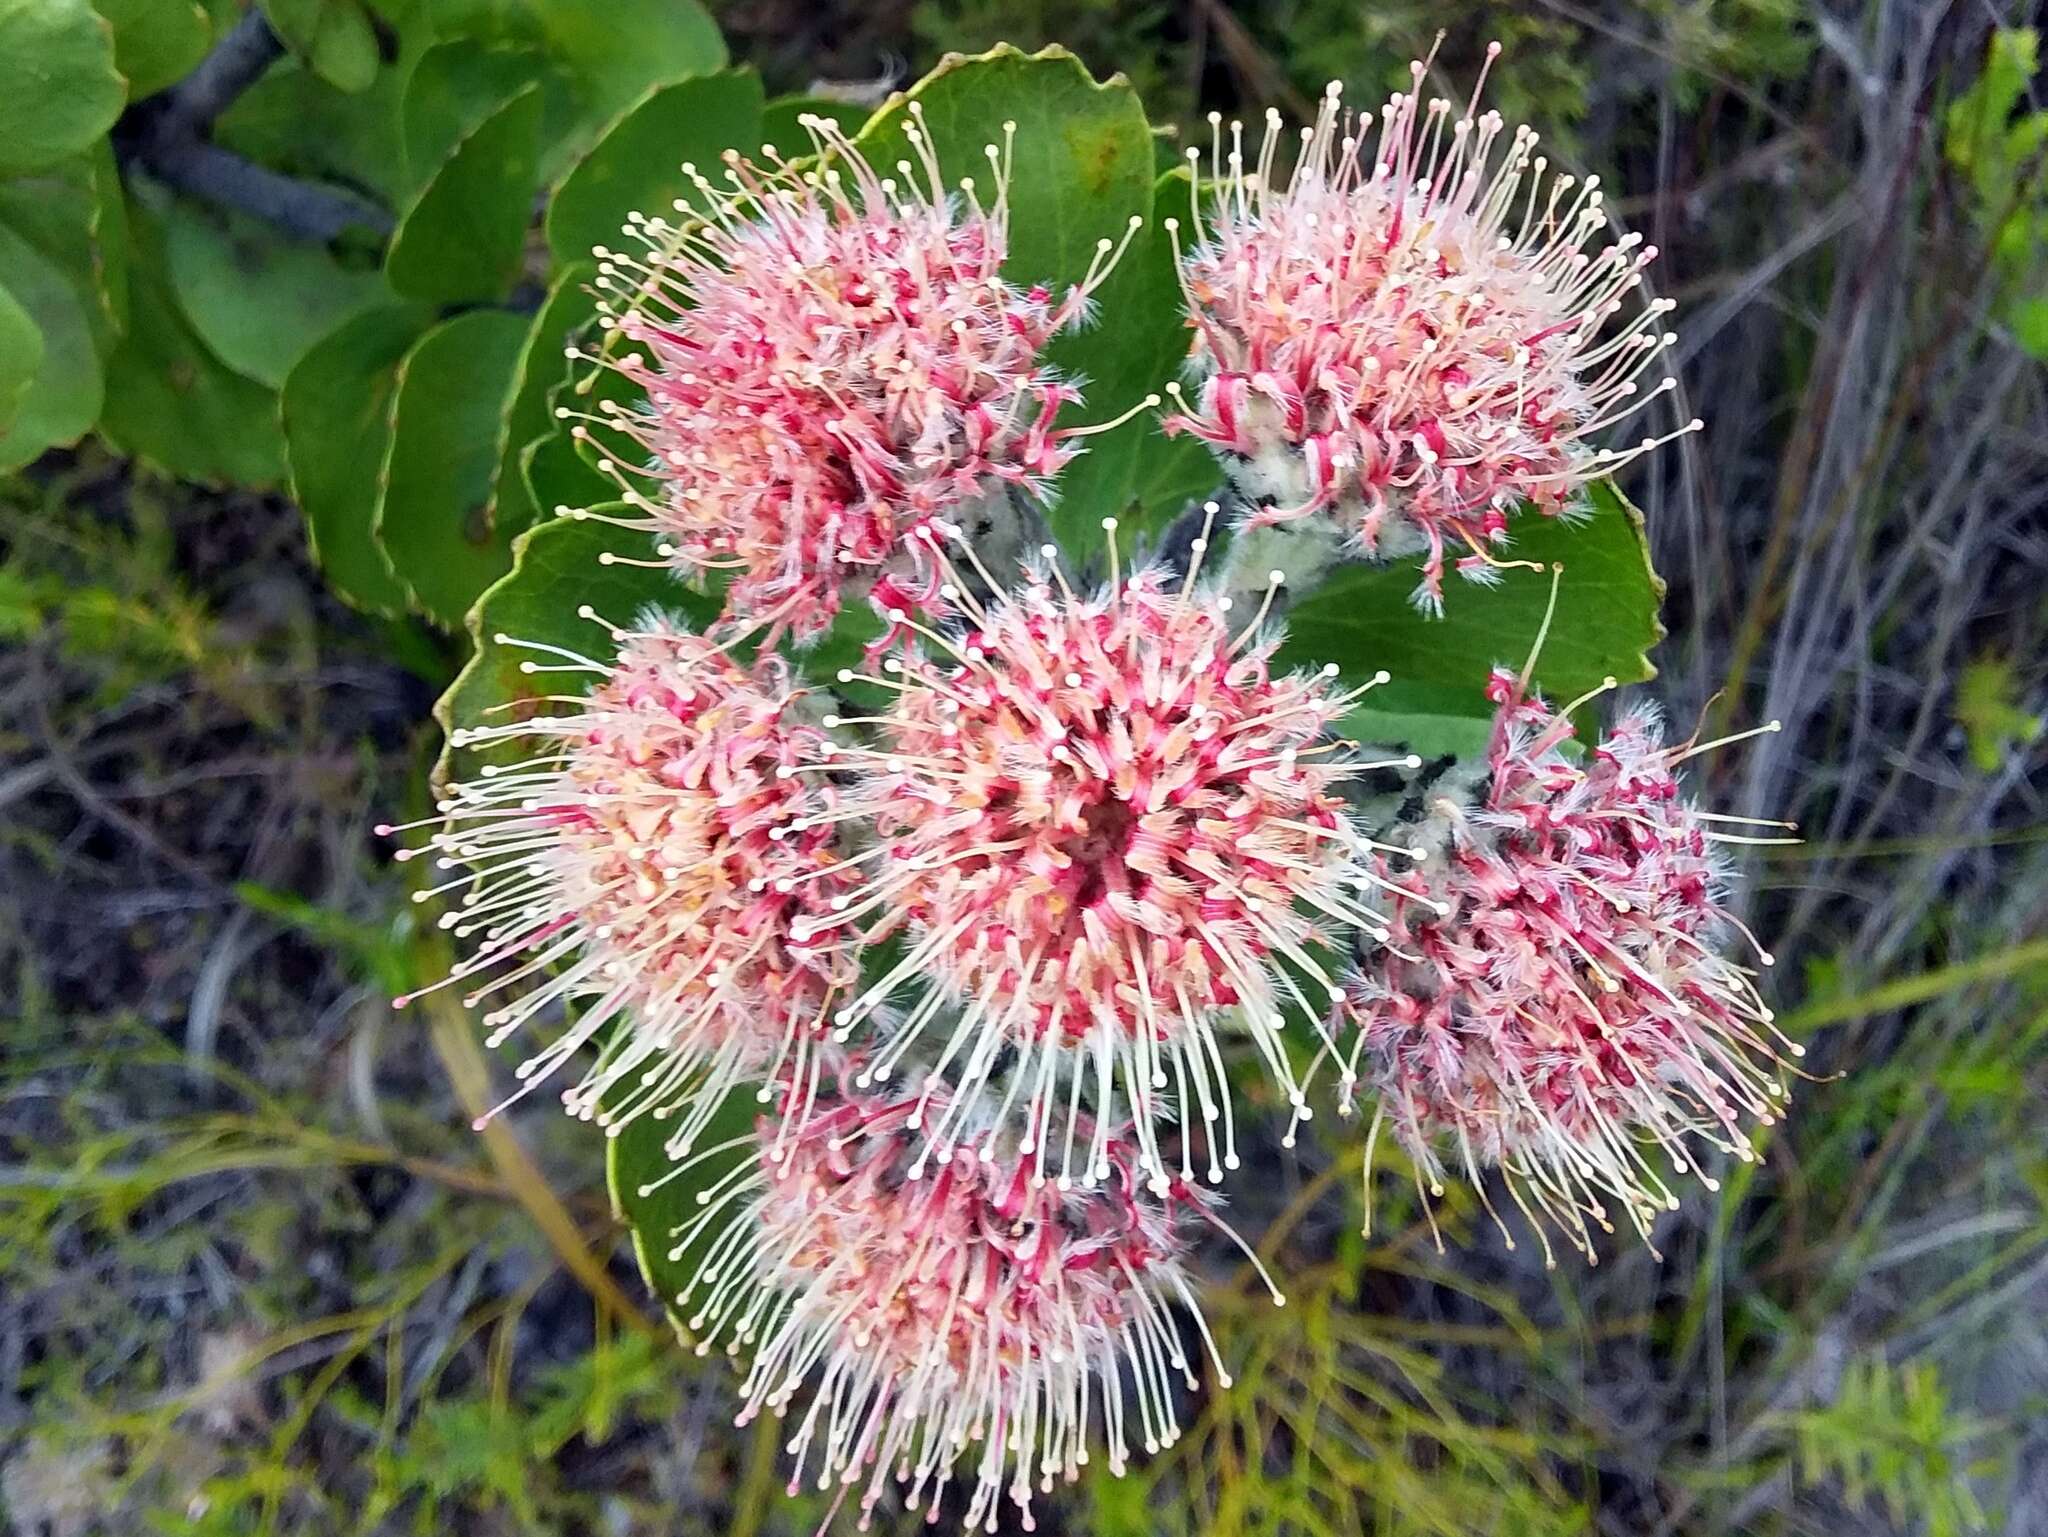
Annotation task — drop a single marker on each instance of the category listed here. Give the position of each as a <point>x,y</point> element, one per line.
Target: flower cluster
<point>832,367</point>
<point>1414,333</point>
<point>977,1315</point>
<point>640,863</point>
<point>987,939</point>
<point>1101,822</point>
<point>1553,1000</point>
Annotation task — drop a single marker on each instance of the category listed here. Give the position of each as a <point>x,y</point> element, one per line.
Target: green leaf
<point>1083,168</point>
<point>614,51</point>
<point>557,567</point>
<point>1977,122</point>
<point>556,475</point>
<point>1606,622</point>
<point>635,1160</point>
<point>529,414</point>
<point>21,357</point>
<point>1119,1506</point>
<point>156,42</point>
<point>596,61</point>
<point>257,298</point>
<point>558,469</point>
<point>170,401</point>
<point>433,518</point>
<point>461,238</point>
<point>457,84</point>
<point>107,238</point>
<point>62,398</point>
<point>1462,736</point>
<point>637,164</point>
<point>1989,695</point>
<point>334,37</point>
<point>1136,473</point>
<point>620,49</point>
<point>23,605</point>
<point>337,429</point>
<point>1083,161</point>
<point>296,123</point>
<point>74,214</point>
<point>59,89</point>
<point>2029,321</point>
<point>782,126</point>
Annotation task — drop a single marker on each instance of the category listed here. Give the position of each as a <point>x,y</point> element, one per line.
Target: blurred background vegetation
<point>258,1276</point>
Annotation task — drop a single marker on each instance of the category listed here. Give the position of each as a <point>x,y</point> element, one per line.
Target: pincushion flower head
<point>1414,333</point>
<point>969,1322</point>
<point>1554,1000</point>
<point>626,869</point>
<point>1101,823</point>
<point>833,367</point>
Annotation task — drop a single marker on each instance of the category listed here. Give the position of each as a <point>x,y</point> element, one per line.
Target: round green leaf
<point>59,89</point>
<point>457,84</point>
<point>461,238</point>
<point>619,49</point>
<point>334,37</point>
<point>62,398</point>
<point>170,401</point>
<point>294,122</point>
<point>1604,626</point>
<point>1135,473</point>
<point>156,42</point>
<point>1083,163</point>
<point>73,213</point>
<point>433,519</point>
<point>637,164</point>
<point>528,414</point>
<point>559,469</point>
<point>556,567</point>
<point>258,299</point>
<point>556,475</point>
<point>782,122</point>
<point>108,236</point>
<point>600,58</point>
<point>655,1206</point>
<point>336,409</point>
<point>21,355</point>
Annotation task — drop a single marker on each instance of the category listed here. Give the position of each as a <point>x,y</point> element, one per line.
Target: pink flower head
<point>835,369</point>
<point>1554,1000</point>
<point>1413,335</point>
<point>970,1320</point>
<point>639,868</point>
<point>1103,825</point>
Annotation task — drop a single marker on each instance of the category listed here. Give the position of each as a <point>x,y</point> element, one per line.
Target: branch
<point>302,209</point>
<point>169,138</point>
<point>236,63</point>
